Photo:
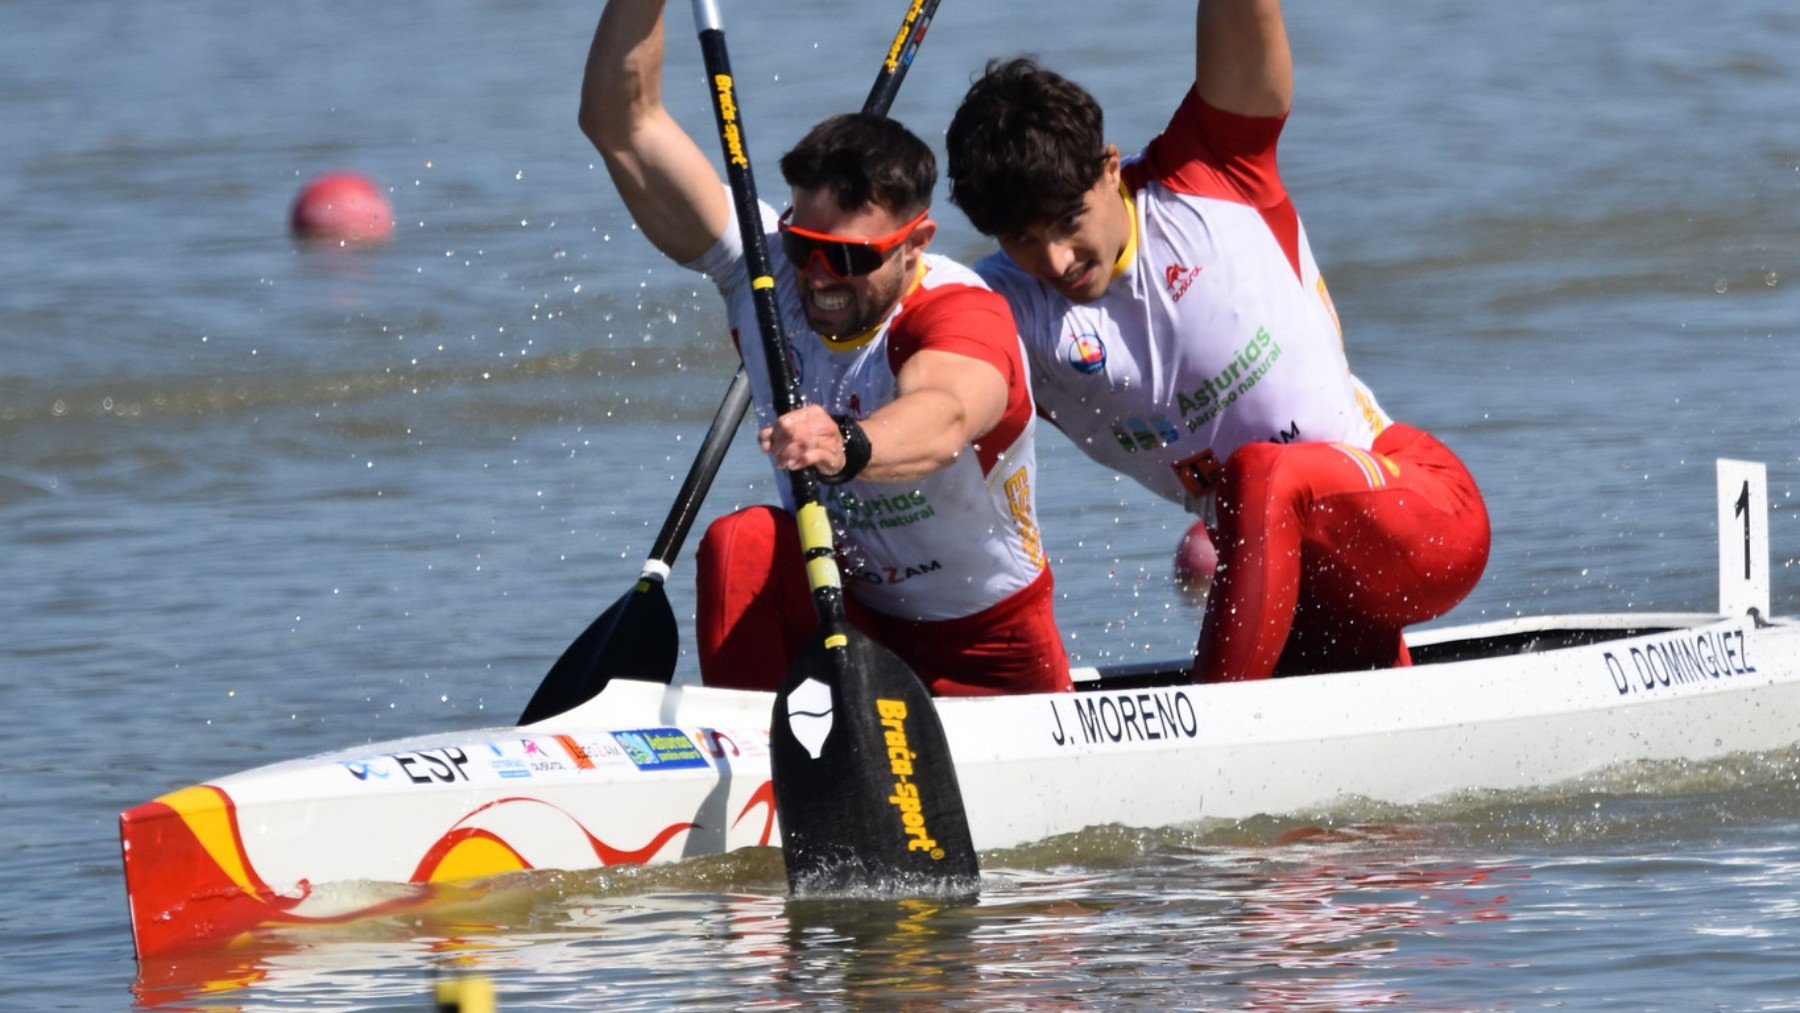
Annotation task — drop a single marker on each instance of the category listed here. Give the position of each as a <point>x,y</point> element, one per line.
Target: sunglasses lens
<point>855,260</point>
<point>845,260</point>
<point>798,249</point>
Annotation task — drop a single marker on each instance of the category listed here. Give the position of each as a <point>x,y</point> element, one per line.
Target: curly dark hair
<point>863,158</point>
<point>1025,146</point>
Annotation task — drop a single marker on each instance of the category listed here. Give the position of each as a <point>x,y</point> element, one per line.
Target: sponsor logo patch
<point>1135,434</point>
<point>1180,279</point>
<point>585,755</point>
<point>851,512</point>
<point>660,748</point>
<point>1221,390</point>
<point>1085,352</point>
<point>362,770</point>
<point>1200,473</point>
<point>504,765</point>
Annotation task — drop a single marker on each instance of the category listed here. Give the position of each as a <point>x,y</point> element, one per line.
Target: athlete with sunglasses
<point>918,411</point>
<point>1180,333</point>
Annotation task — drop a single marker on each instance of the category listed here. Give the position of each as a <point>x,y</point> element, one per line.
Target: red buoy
<point>342,207</point>
<point>1196,558</point>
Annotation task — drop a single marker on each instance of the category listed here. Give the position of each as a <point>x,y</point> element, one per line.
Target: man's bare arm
<point>1241,59</point>
<point>669,186</point>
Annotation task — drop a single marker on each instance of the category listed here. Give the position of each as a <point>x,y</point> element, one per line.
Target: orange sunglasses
<point>843,257</point>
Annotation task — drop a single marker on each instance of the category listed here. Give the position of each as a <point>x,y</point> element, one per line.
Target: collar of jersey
<point>1129,253</point>
<point>862,338</point>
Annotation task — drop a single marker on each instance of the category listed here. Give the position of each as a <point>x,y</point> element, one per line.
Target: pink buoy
<point>342,207</point>
<point>1196,558</point>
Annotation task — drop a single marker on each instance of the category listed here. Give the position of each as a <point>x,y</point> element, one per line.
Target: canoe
<point>648,773</point>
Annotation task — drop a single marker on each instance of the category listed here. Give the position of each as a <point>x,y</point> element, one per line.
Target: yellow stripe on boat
<point>208,818</point>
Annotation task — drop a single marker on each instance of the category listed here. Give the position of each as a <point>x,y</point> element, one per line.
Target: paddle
<point>864,786</point>
<point>636,638</point>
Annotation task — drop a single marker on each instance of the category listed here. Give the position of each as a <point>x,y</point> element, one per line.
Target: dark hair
<point>1025,146</point>
<point>863,158</point>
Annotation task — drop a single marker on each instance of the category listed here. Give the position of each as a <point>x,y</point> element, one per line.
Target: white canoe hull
<point>648,773</point>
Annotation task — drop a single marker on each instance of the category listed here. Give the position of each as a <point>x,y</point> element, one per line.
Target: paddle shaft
<point>815,527</point>
<point>900,56</point>
<point>717,441</point>
<point>700,475</point>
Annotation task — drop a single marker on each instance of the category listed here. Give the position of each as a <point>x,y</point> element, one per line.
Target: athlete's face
<point>1074,252</point>
<point>838,306</point>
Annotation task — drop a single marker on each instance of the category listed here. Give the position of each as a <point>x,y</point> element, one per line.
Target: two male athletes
<point>1175,326</point>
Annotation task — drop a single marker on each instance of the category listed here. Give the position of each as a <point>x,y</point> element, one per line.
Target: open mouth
<point>827,300</point>
<point>1077,279</point>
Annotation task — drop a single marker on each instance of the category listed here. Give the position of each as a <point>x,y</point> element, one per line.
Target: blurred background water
<point>259,500</point>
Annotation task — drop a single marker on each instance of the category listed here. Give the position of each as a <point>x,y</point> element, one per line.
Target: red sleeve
<point>1208,152</point>
<point>973,322</point>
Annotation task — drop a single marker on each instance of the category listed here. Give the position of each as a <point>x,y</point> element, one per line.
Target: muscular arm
<point>1241,60</point>
<point>668,185</point>
<point>946,402</point>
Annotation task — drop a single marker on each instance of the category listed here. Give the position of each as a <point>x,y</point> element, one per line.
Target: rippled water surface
<point>259,501</point>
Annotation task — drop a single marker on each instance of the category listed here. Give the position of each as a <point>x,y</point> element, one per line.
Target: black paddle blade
<point>864,786</point>
<point>635,639</point>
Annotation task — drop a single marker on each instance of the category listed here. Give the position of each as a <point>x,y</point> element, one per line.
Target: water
<point>258,501</point>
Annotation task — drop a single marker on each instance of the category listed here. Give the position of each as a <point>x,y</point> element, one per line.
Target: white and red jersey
<point>1219,331</point>
<point>953,542</point>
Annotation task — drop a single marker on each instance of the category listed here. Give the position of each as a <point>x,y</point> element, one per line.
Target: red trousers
<point>755,614</point>
<point>1327,551</point>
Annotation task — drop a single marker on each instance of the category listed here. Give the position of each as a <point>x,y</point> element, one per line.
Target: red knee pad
<point>754,611</point>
